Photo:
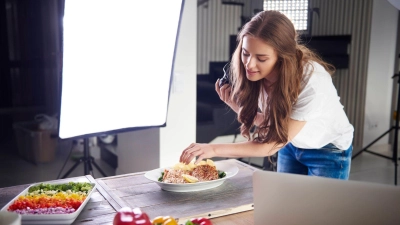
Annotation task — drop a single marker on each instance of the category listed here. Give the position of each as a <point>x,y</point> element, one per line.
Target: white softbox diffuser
<point>117,63</point>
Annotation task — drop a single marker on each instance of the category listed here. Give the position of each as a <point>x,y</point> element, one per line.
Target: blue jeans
<point>328,161</point>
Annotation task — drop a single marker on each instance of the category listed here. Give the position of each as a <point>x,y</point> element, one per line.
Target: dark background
<point>30,49</point>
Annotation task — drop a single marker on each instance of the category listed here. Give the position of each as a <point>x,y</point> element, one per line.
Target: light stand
<point>87,160</point>
<point>394,157</point>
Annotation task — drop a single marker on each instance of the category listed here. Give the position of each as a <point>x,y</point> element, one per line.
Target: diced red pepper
<point>199,221</point>
<point>127,216</point>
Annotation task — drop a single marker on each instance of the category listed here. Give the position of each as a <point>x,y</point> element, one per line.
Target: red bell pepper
<point>128,216</point>
<point>198,221</point>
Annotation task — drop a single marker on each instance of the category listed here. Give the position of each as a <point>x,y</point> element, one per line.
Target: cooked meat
<point>175,176</point>
<point>205,172</point>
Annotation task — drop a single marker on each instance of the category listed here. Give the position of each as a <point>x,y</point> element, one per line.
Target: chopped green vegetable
<point>73,186</point>
<point>160,179</point>
<point>221,174</point>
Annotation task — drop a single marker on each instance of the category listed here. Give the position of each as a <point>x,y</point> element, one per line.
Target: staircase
<point>214,117</point>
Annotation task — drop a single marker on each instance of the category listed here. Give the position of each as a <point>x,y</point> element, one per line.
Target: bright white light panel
<point>295,10</point>
<point>117,63</point>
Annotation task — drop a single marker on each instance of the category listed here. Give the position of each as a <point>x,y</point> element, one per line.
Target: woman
<point>284,91</point>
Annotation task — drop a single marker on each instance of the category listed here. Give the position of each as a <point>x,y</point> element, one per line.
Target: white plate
<point>229,169</point>
<point>51,218</point>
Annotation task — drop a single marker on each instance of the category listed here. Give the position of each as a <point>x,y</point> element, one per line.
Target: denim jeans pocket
<point>331,148</point>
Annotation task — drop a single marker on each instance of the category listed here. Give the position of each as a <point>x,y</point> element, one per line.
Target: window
<point>295,10</point>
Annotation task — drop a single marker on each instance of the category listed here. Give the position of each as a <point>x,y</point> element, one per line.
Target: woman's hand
<point>202,151</point>
<point>224,94</point>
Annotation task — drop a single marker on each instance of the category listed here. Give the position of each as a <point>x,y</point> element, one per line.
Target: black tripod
<point>87,159</point>
<point>394,157</point>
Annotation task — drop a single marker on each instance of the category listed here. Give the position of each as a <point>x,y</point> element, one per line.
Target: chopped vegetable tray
<point>55,217</point>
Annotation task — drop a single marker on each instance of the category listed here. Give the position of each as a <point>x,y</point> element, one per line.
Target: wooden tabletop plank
<point>115,202</point>
<point>192,198</point>
<point>8,193</point>
<point>126,180</point>
<point>134,190</point>
<point>95,209</point>
<point>105,219</point>
<point>243,218</point>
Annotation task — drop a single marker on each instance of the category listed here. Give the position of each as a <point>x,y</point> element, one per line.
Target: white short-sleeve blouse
<point>318,104</point>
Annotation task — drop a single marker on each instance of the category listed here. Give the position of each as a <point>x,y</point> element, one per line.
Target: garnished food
<point>191,173</point>
<point>52,198</point>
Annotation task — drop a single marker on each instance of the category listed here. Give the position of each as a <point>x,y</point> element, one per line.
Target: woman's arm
<point>233,150</point>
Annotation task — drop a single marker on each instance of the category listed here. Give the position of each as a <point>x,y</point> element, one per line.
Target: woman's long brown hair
<point>276,30</point>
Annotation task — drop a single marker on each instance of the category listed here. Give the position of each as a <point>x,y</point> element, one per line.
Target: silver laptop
<point>284,199</point>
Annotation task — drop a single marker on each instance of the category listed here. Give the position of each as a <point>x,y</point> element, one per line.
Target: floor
<point>15,170</point>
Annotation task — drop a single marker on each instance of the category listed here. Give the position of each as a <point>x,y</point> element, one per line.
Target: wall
<point>216,22</point>
<point>158,147</point>
<point>382,56</point>
<point>138,151</point>
<point>343,17</point>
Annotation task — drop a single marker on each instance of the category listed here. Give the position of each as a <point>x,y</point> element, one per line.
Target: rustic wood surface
<point>230,203</point>
<point>235,195</point>
<point>243,218</point>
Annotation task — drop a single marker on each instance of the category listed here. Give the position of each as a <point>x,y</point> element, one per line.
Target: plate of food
<point>192,177</point>
<point>51,203</point>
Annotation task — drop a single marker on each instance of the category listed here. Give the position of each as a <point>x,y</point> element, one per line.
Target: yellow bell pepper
<point>164,220</point>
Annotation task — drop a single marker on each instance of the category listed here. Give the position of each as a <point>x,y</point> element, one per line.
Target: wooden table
<point>230,203</point>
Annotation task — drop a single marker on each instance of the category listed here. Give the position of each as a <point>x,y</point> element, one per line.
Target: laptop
<point>285,199</point>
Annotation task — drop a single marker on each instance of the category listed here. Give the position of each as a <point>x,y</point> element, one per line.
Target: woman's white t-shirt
<point>318,104</point>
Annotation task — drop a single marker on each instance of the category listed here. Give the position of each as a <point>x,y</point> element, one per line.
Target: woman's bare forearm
<point>245,149</point>
<point>254,149</point>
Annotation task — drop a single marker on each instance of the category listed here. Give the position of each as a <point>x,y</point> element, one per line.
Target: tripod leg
<point>90,167</point>
<point>97,167</point>
<point>373,142</point>
<point>87,161</point>
<point>86,156</point>
<point>72,168</point>
<point>396,132</point>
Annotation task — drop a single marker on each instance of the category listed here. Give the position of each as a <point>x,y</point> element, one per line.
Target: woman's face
<point>259,59</point>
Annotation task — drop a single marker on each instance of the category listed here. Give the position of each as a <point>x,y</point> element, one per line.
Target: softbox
<point>118,59</point>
